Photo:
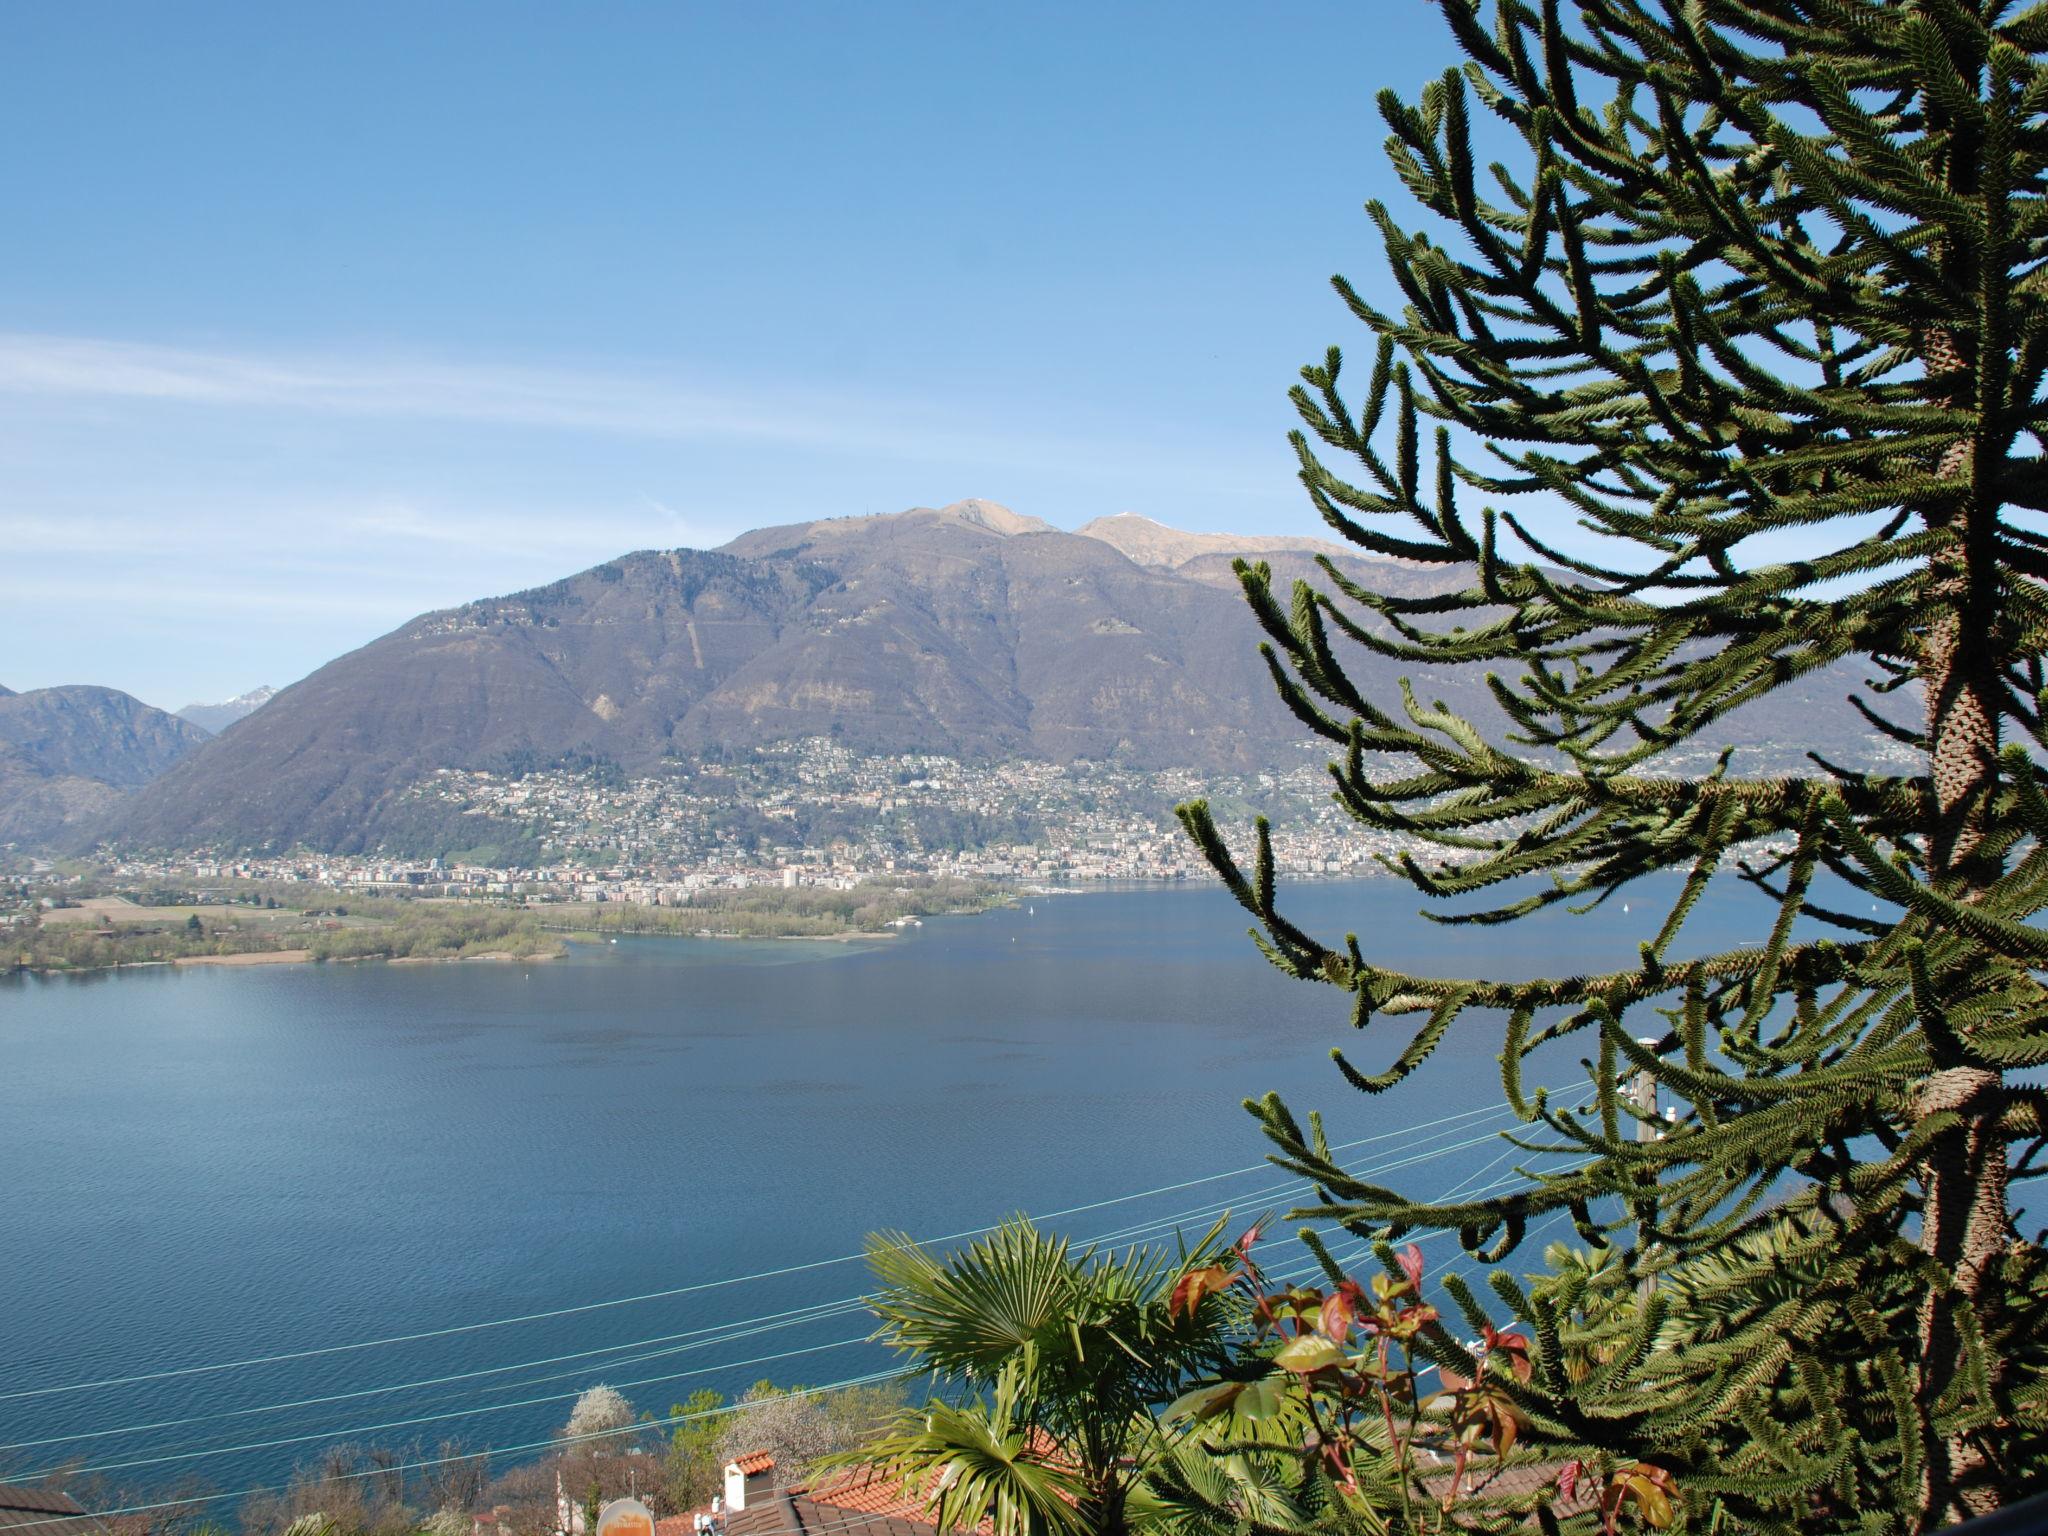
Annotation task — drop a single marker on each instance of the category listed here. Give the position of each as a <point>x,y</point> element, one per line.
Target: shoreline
<point>256,957</point>
<point>579,937</point>
<point>590,936</point>
<point>247,957</point>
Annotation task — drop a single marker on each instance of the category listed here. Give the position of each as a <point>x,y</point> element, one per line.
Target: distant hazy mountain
<point>6,693</point>
<point>968,630</point>
<point>69,756</point>
<point>215,718</point>
<point>1150,543</point>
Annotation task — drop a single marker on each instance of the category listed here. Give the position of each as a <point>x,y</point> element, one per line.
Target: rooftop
<point>42,1512</point>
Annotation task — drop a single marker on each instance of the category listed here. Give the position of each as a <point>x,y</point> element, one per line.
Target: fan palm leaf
<point>981,1461</point>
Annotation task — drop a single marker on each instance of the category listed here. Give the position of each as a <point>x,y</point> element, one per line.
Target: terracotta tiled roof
<point>754,1462</point>
<point>42,1512</point>
<point>869,1491</point>
<point>786,1514</point>
<point>860,1501</point>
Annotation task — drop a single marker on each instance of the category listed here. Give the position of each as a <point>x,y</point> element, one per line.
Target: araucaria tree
<point>1730,378</point>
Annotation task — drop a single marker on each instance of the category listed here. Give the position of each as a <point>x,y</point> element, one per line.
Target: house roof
<point>858,1501</point>
<point>866,1490</point>
<point>42,1512</point>
<point>861,1502</point>
<point>785,1513</point>
<point>754,1462</point>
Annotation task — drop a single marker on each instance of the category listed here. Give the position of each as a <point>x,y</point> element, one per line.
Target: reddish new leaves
<point>1345,1359</point>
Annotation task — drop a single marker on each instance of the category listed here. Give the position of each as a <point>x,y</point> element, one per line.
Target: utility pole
<point>1642,1093</point>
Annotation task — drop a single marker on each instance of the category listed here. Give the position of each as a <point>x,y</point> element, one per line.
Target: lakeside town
<point>803,839</point>
<point>808,840</point>
<point>808,815</point>
<point>815,812</point>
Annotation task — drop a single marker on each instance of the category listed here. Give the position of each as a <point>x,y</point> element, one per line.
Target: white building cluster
<point>816,814</point>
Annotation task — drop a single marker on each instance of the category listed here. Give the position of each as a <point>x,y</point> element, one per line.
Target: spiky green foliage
<point>1756,301</point>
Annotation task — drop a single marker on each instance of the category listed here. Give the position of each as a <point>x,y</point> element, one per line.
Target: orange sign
<point>625,1517</point>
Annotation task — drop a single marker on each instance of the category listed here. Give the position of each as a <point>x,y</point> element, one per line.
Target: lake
<point>202,1167</point>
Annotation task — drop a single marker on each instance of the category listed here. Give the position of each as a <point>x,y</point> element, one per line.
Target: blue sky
<point>313,317</point>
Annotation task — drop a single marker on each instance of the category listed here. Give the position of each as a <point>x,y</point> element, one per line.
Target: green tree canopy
<point>1727,376</point>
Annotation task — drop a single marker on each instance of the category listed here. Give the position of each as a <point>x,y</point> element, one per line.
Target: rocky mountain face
<point>70,756</point>
<point>967,630</point>
<point>215,718</point>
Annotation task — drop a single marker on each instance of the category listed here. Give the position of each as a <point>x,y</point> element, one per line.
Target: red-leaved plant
<point>1346,1360</point>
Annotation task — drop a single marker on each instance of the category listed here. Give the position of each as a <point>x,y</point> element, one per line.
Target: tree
<point>600,1411</point>
<point>454,1476</point>
<point>692,1468</point>
<point>1066,1356</point>
<point>801,1428</point>
<point>351,1490</point>
<point>1760,303</point>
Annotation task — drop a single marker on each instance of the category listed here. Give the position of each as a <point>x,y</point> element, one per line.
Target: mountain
<point>69,756</point>
<point>215,718</point>
<point>968,630</point>
<point>1146,542</point>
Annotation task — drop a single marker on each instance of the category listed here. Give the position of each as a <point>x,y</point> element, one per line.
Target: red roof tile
<point>870,1491</point>
<point>860,1501</point>
<point>42,1512</point>
<point>754,1462</point>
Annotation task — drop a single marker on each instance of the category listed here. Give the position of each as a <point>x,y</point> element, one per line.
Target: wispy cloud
<point>311,533</point>
<point>554,532</point>
<point>953,426</point>
<point>199,603</point>
<point>629,403</point>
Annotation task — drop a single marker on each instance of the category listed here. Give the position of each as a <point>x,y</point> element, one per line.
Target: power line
<point>1302,1184</point>
<point>727,1332</point>
<point>681,1290</point>
<point>497,1450</point>
<point>1292,1272</point>
<point>429,1418</point>
<point>795,1317</point>
<point>424,1463</point>
<point>1296,1272</point>
<point>791,1317</point>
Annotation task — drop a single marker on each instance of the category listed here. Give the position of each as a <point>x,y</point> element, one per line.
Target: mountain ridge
<point>1147,541</point>
<point>967,630</point>
<point>70,755</point>
<point>215,718</point>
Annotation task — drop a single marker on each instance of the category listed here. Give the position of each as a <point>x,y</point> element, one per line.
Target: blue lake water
<point>207,1166</point>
